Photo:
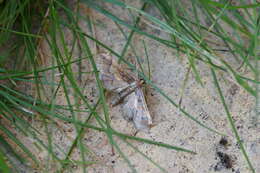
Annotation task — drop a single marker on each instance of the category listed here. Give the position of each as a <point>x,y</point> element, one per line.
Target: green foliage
<point>24,24</point>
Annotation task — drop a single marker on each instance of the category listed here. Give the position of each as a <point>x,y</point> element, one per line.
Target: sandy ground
<point>214,153</point>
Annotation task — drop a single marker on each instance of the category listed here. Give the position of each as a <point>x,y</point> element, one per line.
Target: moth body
<point>126,90</point>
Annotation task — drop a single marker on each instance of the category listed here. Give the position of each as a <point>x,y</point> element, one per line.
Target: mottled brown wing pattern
<point>126,89</point>
<point>135,109</point>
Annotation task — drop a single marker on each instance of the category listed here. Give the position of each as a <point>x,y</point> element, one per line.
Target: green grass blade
<point>231,122</point>
<point>16,141</point>
<point>3,165</point>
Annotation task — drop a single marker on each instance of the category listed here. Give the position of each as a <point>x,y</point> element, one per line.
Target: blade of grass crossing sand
<point>81,132</point>
<point>12,137</point>
<point>145,156</point>
<point>231,122</point>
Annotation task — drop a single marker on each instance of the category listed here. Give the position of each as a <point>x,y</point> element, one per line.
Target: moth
<point>125,89</point>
